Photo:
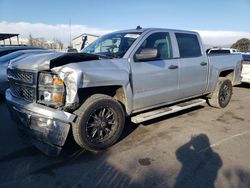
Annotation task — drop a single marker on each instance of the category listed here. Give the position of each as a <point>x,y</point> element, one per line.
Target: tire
<point>222,93</point>
<point>99,124</point>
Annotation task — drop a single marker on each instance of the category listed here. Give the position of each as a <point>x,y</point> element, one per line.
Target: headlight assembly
<point>51,89</point>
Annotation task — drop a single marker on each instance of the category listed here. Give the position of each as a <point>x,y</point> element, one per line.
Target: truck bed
<point>227,62</point>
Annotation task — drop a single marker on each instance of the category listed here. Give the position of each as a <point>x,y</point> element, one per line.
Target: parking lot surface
<point>201,147</point>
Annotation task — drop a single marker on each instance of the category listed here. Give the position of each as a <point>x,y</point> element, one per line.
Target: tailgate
<point>245,67</point>
<point>245,74</point>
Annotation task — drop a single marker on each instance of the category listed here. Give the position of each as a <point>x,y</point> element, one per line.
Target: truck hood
<point>46,61</point>
<point>78,70</point>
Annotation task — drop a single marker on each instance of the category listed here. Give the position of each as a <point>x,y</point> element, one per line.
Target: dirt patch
<point>145,161</point>
<point>193,114</point>
<point>238,118</point>
<point>169,133</point>
<point>240,108</point>
<point>226,129</point>
<point>225,118</point>
<point>235,100</point>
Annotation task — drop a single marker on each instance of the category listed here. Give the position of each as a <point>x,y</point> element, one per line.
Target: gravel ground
<point>201,147</point>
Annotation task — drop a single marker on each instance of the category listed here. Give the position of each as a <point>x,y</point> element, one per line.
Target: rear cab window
<point>219,52</point>
<point>188,45</point>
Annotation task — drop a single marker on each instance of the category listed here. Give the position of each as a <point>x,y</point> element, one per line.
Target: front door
<point>155,81</point>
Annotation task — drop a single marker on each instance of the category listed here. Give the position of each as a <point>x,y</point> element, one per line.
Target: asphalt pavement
<point>200,147</point>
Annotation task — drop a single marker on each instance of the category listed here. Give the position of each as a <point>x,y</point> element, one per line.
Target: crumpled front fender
<point>92,74</point>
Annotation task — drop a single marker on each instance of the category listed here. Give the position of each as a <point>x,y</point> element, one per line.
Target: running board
<point>166,110</point>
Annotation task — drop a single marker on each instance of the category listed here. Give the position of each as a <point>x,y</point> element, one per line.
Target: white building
<point>78,41</point>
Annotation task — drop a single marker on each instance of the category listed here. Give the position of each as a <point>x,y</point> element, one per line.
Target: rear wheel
<point>222,93</point>
<point>100,122</point>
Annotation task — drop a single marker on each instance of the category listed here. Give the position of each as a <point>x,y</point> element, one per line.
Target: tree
<point>31,40</point>
<point>59,43</point>
<point>242,45</point>
<point>43,43</point>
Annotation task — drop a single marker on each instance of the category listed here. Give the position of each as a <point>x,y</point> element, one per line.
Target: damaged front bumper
<point>48,128</point>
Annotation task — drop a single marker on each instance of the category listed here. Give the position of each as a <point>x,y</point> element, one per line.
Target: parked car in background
<point>4,61</point>
<point>246,56</point>
<point>138,73</point>
<point>214,51</point>
<point>245,74</point>
<point>4,50</point>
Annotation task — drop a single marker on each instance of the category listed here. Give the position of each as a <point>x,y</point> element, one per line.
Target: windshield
<point>112,45</point>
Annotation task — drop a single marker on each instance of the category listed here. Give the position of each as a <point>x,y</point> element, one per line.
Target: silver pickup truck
<point>140,73</point>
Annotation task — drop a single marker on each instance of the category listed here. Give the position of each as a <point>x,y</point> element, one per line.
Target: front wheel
<point>99,124</point>
<point>222,93</point>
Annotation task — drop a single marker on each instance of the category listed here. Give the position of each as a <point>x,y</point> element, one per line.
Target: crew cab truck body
<point>142,73</point>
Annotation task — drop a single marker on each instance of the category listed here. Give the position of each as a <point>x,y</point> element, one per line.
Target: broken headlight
<point>51,89</point>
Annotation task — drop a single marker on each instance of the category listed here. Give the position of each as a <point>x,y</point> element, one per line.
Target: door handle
<point>203,63</point>
<point>172,67</point>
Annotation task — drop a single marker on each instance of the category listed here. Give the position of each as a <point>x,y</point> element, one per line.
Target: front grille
<point>22,84</point>
<point>21,75</point>
<point>24,92</point>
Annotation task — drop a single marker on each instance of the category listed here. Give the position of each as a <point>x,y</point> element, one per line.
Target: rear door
<point>193,65</point>
<point>155,81</point>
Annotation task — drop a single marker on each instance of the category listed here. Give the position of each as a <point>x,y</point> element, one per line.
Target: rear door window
<point>188,44</point>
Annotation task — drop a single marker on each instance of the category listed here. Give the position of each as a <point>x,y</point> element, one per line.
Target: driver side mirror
<point>146,54</point>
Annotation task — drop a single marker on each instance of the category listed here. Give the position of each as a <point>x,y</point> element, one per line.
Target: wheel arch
<point>121,93</point>
<point>229,74</point>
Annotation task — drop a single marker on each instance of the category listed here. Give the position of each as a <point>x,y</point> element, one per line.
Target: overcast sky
<point>220,22</point>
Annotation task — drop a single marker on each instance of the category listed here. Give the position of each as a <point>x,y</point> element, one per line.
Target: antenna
<point>70,42</point>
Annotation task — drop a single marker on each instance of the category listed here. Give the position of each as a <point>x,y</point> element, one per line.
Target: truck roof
<point>142,30</point>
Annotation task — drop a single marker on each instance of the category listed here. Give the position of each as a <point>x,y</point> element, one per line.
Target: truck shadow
<point>88,169</point>
<point>72,149</point>
<point>96,171</point>
<point>2,98</point>
<point>244,85</point>
<point>21,153</point>
<point>79,168</point>
<point>190,111</point>
<point>200,165</point>
<point>130,127</point>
